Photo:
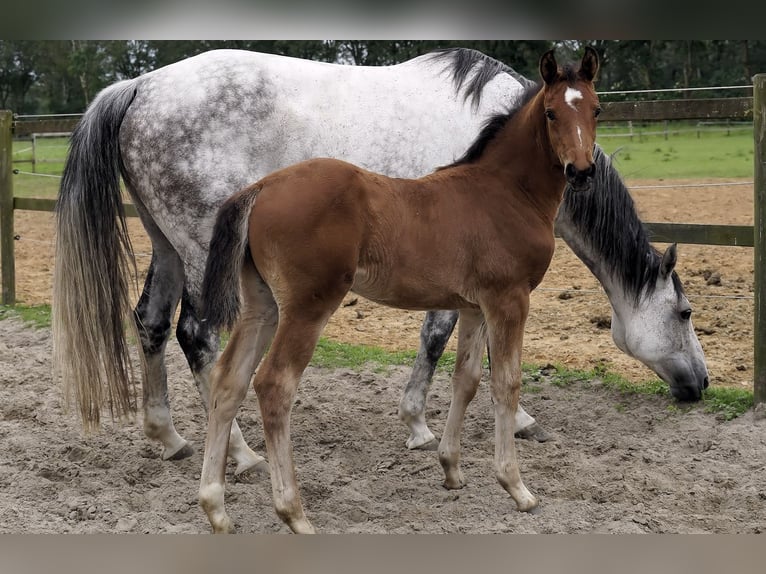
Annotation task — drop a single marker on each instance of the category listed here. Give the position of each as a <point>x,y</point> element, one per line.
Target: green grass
<point>38,316</point>
<point>682,154</point>
<point>333,355</point>
<point>726,402</point>
<point>52,151</point>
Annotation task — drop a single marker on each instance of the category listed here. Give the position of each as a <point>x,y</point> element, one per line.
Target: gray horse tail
<point>92,258</point>
<point>227,254</point>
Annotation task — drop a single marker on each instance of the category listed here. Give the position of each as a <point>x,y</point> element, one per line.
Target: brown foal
<point>475,236</point>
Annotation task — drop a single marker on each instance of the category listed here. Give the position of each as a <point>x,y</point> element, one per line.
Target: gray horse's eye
<point>686,314</point>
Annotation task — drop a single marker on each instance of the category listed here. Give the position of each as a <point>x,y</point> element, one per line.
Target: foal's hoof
<point>529,506</point>
<point>534,432</point>
<point>184,452</point>
<point>226,527</point>
<point>454,480</point>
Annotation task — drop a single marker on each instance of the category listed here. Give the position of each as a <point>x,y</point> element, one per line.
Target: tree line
<point>63,76</point>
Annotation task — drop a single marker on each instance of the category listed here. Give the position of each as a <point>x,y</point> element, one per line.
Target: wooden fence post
<point>759,230</point>
<point>6,209</point>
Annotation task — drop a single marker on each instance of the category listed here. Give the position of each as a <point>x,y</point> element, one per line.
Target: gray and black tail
<point>93,258</point>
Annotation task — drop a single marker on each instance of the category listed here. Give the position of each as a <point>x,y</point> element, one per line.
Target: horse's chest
<point>524,260</point>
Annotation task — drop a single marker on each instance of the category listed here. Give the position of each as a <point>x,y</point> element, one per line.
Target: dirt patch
<point>620,463</point>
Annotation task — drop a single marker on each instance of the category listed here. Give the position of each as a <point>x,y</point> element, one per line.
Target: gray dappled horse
<point>187,136</point>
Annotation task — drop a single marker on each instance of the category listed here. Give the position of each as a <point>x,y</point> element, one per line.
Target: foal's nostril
<point>706,383</point>
<point>570,171</point>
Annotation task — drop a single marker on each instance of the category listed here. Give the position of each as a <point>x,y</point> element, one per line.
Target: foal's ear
<point>669,259</point>
<point>549,69</point>
<point>589,64</point>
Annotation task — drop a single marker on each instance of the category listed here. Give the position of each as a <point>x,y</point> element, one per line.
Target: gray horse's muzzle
<point>687,390</point>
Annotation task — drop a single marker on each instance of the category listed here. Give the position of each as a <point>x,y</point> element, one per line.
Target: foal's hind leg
<point>200,345</point>
<point>230,379</point>
<point>434,334</point>
<point>276,383</point>
<point>472,339</point>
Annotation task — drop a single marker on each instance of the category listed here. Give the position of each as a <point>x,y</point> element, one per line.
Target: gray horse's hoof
<point>256,473</point>
<point>534,432</point>
<point>184,452</point>
<point>432,444</point>
<point>535,510</point>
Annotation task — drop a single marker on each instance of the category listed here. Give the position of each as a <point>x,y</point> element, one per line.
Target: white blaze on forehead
<point>571,96</point>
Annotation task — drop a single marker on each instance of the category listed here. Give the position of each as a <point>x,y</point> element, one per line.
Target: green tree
<point>18,65</point>
<point>129,59</point>
<point>62,76</point>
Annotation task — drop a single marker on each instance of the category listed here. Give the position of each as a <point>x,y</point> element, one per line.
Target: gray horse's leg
<point>201,345</point>
<point>154,314</point>
<point>434,334</point>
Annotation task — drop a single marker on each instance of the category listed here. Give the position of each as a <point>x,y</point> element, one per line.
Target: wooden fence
<point>745,108</point>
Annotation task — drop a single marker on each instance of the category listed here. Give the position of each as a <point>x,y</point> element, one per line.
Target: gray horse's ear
<point>549,69</point>
<point>669,259</point>
<point>589,64</point>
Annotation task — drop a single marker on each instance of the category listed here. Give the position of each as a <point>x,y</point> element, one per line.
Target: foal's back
<point>411,243</point>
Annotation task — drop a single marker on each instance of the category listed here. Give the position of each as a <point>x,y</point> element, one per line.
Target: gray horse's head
<point>657,330</point>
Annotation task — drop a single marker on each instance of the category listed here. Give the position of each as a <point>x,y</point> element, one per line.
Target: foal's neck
<point>521,155</point>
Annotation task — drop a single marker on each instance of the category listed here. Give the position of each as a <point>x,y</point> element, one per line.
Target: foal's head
<point>571,109</point>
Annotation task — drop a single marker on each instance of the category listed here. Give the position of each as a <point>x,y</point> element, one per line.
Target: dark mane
<point>472,70</point>
<point>606,218</point>
<point>493,125</point>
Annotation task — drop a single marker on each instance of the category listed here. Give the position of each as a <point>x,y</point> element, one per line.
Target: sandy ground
<point>620,463</point>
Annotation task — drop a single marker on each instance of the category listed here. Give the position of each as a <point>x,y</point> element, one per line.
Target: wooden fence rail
<point>745,108</point>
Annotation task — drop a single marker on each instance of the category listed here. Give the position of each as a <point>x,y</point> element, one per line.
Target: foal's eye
<point>597,112</point>
<point>686,314</point>
<point>550,114</point>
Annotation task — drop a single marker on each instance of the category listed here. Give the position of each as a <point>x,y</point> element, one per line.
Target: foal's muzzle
<point>580,179</point>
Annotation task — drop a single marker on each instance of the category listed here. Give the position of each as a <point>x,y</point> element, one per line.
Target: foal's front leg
<point>505,322</point>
